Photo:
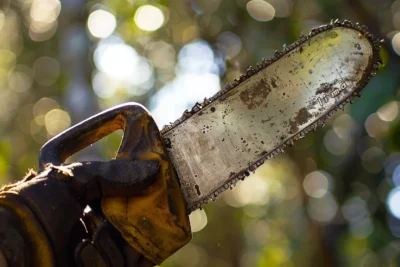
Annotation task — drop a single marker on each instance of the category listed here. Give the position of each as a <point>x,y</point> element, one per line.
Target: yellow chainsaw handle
<point>155,222</point>
<point>87,132</point>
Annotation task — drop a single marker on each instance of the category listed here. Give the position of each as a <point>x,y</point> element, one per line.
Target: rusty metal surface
<point>222,140</point>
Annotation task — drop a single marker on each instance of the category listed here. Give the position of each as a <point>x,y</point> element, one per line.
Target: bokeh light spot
<point>344,126</point>
<point>362,228</point>
<point>316,184</point>
<point>335,144</point>
<point>252,191</point>
<point>396,43</point>
<point>260,10</point>
<point>229,44</point>
<point>43,19</point>
<point>143,73</point>
<point>393,202</point>
<point>389,111</point>
<point>44,105</point>
<point>355,209</point>
<point>21,79</point>
<point>396,20</point>
<point>196,57</point>
<point>103,86</point>
<point>162,55</point>
<point>375,126</point>
<point>395,7</point>
<point>101,23</point>
<point>56,121</point>
<point>7,59</point>
<point>373,159</point>
<point>396,175</point>
<point>322,209</point>
<point>116,59</point>
<point>45,11</point>
<point>149,18</point>
<point>198,220</point>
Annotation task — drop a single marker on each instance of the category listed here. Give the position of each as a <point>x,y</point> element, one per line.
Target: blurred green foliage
<point>331,200</point>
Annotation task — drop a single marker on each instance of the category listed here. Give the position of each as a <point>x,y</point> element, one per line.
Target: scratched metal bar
<point>221,141</point>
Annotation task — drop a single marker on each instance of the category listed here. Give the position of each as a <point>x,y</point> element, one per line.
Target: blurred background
<point>331,200</point>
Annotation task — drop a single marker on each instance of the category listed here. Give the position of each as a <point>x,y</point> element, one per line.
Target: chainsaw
<point>228,136</point>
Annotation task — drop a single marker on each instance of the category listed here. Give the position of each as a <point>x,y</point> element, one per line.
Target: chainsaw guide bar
<point>228,136</point>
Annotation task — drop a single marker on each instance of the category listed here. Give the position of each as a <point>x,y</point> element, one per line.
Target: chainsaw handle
<point>89,131</point>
